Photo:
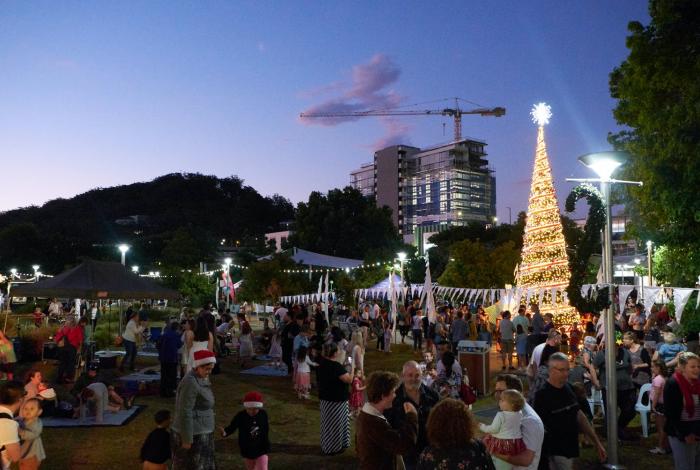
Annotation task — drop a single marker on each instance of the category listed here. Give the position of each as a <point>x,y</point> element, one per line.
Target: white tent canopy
<point>310,258</point>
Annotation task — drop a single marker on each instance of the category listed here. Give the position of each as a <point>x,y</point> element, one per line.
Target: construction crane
<point>456,114</point>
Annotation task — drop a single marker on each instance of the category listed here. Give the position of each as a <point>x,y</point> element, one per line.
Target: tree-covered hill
<point>202,208</point>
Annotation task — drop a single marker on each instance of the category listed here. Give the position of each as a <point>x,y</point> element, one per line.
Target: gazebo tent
<point>96,280</point>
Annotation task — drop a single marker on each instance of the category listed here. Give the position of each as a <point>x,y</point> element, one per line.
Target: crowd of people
<point>419,419</point>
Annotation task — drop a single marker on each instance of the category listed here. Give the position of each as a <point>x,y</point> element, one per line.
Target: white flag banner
<point>680,298</point>
<point>624,292</point>
<point>650,294</point>
<point>584,290</point>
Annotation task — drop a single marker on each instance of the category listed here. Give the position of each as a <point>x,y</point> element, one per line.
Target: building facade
<point>429,189</point>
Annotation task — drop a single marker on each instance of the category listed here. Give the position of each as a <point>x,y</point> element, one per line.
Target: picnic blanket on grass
<point>119,418</point>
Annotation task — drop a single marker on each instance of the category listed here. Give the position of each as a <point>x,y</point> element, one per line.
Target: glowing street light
<point>402,260</point>
<point>123,248</point>
<point>36,267</point>
<point>604,164</point>
<point>135,269</point>
<point>13,271</point>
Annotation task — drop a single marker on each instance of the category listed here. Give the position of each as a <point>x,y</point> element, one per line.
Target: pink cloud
<point>369,89</point>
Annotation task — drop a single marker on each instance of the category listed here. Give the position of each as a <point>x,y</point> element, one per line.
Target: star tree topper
<point>541,112</point>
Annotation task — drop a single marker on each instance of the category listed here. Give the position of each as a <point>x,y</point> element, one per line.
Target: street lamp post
<point>604,164</point>
<point>36,267</point>
<point>227,264</point>
<point>402,260</point>
<point>510,218</point>
<point>650,252</point>
<point>123,248</point>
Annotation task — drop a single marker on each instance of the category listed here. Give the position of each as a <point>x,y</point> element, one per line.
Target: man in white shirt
<point>11,394</point>
<point>531,428</point>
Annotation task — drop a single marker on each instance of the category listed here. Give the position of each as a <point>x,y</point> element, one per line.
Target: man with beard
<point>422,398</point>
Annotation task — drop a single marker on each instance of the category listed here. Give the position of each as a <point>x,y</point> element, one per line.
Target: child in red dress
<point>357,394</point>
<point>503,435</point>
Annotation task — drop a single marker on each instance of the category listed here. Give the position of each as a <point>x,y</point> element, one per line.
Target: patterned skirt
<point>198,457</point>
<point>335,426</point>
<point>504,446</point>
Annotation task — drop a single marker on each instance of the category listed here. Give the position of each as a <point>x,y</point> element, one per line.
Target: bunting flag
<point>623,293</point>
<point>428,290</point>
<point>650,294</point>
<point>325,304</point>
<point>680,298</point>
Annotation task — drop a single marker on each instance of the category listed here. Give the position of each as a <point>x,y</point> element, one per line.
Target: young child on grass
<point>32,448</point>
<point>155,451</point>
<point>357,395</point>
<point>302,379</point>
<point>276,350</point>
<point>253,432</point>
<point>387,337</point>
<point>503,435</point>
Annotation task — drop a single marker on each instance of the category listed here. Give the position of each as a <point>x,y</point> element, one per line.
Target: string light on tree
<point>545,263</point>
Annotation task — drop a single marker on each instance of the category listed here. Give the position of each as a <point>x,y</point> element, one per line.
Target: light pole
<point>36,267</point>
<point>402,259</point>
<point>650,252</point>
<point>510,217</point>
<point>227,264</point>
<point>604,164</point>
<point>123,248</point>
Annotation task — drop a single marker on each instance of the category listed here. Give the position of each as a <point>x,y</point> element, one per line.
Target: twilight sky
<point>96,94</point>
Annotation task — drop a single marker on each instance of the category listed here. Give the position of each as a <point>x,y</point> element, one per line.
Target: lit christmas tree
<point>544,263</point>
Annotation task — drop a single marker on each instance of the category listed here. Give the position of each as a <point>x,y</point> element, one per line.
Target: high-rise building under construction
<point>431,189</point>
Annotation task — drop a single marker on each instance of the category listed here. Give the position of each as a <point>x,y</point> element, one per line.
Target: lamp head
<point>401,255</point>
<point>604,163</point>
<point>13,271</point>
<point>123,248</point>
<point>35,267</point>
<point>228,261</point>
<point>135,269</point>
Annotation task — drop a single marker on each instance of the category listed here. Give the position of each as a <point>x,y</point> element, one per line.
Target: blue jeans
<point>685,456</point>
<point>130,357</point>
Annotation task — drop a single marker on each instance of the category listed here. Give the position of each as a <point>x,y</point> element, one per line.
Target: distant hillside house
<point>133,220</point>
<point>279,238</point>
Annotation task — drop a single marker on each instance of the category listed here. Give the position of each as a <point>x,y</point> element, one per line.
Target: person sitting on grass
<point>155,451</point>
<point>253,432</point>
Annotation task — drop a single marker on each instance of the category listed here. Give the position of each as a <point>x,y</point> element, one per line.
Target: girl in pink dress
<point>357,393</point>
<point>302,379</point>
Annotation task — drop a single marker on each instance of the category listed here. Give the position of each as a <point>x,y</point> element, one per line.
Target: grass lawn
<point>294,427</point>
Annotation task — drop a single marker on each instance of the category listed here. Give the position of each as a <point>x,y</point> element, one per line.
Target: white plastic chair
<point>643,409</point>
<point>596,398</point>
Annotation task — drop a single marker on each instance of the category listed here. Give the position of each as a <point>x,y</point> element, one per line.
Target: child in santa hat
<point>253,432</point>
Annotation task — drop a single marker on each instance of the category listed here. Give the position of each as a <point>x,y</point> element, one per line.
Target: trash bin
<point>474,356</point>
